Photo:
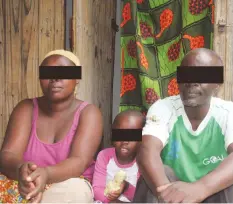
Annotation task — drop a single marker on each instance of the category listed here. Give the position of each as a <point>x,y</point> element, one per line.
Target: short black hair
<point>130,112</point>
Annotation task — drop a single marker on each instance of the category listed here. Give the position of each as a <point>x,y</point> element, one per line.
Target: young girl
<point>121,157</point>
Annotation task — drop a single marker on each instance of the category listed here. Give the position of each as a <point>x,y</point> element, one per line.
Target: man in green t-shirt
<point>187,144</point>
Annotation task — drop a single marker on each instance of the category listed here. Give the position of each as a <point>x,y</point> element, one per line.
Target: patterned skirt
<point>9,191</point>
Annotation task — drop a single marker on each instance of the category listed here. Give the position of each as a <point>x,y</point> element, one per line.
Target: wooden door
<point>94,41</point>
<point>28,30</point>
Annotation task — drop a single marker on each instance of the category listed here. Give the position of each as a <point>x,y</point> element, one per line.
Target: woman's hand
<point>36,199</point>
<point>40,178</point>
<point>113,196</point>
<point>24,171</point>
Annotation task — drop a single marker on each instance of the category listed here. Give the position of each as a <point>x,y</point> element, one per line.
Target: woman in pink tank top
<point>49,141</point>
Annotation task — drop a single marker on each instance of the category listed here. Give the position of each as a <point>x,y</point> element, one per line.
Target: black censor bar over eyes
<point>200,74</point>
<point>129,135</point>
<point>60,72</point>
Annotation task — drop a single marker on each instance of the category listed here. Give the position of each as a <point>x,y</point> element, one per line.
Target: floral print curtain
<point>155,36</point>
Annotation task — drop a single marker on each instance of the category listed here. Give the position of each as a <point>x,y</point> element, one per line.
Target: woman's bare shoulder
<point>91,109</point>
<point>23,107</point>
<point>90,114</point>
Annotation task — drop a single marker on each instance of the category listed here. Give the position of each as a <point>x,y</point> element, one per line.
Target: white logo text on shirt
<point>213,160</point>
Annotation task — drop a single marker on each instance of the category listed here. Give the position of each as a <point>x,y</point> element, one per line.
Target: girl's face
<point>126,150</point>
<point>57,89</point>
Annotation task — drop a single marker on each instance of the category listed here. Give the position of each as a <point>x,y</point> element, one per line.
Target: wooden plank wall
<point>94,43</point>
<point>223,44</point>
<point>28,30</point>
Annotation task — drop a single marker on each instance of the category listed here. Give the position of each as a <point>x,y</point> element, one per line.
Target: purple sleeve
<point>99,177</point>
<point>129,192</point>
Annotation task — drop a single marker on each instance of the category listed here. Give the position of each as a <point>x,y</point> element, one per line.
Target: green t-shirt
<point>191,154</point>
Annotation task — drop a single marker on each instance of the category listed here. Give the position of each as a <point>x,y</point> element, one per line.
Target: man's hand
<point>181,192</point>
<point>39,177</point>
<point>24,171</point>
<point>115,195</point>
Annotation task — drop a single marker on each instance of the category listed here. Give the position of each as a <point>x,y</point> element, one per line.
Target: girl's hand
<point>115,195</point>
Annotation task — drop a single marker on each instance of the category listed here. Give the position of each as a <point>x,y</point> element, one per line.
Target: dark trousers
<point>144,195</point>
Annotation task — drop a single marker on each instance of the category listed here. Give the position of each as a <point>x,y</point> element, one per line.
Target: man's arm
<point>155,136</point>
<point>150,162</point>
<point>221,177</point>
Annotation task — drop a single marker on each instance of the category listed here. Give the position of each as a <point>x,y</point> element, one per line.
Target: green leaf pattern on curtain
<point>155,36</point>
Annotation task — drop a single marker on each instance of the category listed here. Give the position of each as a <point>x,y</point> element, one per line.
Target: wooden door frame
<point>223,44</point>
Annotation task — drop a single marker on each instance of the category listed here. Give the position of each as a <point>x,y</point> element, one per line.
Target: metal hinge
<point>71,34</point>
<point>114,25</point>
<point>221,25</point>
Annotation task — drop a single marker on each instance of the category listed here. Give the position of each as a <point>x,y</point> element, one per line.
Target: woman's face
<point>57,89</point>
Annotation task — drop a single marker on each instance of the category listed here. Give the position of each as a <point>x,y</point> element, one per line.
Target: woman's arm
<point>84,147</point>
<point>16,139</point>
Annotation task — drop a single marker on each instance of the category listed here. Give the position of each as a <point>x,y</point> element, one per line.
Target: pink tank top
<point>43,154</point>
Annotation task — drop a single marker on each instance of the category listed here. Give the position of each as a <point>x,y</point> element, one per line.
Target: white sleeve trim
<point>228,137</point>
<point>157,120</point>
<point>229,129</point>
<point>158,132</point>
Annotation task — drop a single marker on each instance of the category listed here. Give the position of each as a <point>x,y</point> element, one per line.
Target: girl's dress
<point>105,169</point>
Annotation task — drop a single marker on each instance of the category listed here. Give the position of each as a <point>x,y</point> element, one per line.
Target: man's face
<point>194,94</point>
<point>198,94</point>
